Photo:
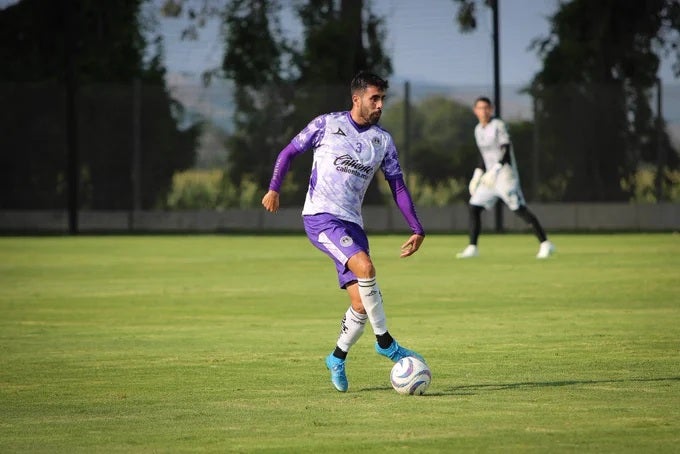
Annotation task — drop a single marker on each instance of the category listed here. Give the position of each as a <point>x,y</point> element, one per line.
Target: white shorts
<point>506,188</point>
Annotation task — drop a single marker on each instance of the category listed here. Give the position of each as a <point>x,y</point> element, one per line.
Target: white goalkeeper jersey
<point>346,157</point>
<point>489,140</point>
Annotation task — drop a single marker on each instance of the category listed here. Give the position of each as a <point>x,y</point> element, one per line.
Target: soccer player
<point>349,147</point>
<point>496,177</point>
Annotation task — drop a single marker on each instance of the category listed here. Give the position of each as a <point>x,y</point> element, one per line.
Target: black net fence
<point>148,147</point>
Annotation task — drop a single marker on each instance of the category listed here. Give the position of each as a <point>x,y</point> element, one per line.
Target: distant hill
<point>515,104</point>
<point>214,103</point>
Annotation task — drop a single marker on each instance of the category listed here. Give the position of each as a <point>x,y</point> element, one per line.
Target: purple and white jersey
<point>346,157</point>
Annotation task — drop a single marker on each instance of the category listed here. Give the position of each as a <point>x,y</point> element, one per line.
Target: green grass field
<point>216,344</point>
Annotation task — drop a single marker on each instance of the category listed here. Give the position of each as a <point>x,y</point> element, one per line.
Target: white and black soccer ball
<point>410,376</point>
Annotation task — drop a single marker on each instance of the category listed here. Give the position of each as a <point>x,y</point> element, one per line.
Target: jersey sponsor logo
<point>346,241</point>
<point>348,164</point>
<point>340,132</point>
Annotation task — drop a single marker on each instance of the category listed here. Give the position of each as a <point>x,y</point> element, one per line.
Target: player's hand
<point>489,177</point>
<point>474,182</point>
<point>270,201</point>
<point>412,245</point>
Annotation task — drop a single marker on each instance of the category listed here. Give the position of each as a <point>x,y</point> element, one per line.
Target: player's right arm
<point>474,181</point>
<point>305,140</point>
<point>270,201</point>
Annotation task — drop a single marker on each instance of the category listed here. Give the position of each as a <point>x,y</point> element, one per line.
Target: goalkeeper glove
<point>489,177</point>
<point>474,182</point>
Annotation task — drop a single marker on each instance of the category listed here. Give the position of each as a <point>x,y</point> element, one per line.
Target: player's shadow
<point>471,390</point>
<point>467,390</point>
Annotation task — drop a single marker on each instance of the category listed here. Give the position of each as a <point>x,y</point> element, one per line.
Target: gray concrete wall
<point>554,217</point>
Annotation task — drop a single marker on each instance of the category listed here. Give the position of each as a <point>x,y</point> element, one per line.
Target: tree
<point>281,85</point>
<point>599,70</point>
<point>110,51</point>
<point>441,134</point>
<point>255,50</point>
<point>600,65</point>
<point>340,38</point>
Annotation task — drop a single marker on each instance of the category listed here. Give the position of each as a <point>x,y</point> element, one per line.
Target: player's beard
<point>372,117</point>
<point>368,118</point>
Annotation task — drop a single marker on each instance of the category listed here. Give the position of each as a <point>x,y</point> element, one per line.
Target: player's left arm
<point>403,199</point>
<point>503,138</point>
<point>393,174</point>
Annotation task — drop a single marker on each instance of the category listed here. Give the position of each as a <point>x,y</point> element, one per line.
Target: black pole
<point>660,146</point>
<point>71,117</point>
<point>407,127</point>
<point>535,155</point>
<point>497,94</point>
<point>136,164</point>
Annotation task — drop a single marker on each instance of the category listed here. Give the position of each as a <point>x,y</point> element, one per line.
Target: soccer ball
<point>410,376</point>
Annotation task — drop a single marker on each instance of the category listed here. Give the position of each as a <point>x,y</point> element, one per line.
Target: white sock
<point>371,298</point>
<point>351,329</point>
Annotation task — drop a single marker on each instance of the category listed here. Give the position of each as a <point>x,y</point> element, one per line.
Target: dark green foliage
<point>109,52</point>
<point>253,60</point>
<point>281,86</point>
<point>442,139</point>
<point>600,66</point>
<point>595,124</point>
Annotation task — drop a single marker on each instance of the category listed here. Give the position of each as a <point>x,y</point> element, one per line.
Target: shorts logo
<point>346,241</point>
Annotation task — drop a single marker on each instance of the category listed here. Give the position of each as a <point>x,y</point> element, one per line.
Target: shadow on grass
<point>468,390</point>
<point>475,389</point>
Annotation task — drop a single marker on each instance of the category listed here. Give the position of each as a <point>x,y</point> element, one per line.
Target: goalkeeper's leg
<point>475,226</point>
<point>531,219</point>
<point>546,249</point>
<point>475,223</point>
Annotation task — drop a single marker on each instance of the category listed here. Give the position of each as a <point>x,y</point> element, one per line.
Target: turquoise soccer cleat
<point>395,352</point>
<point>337,368</point>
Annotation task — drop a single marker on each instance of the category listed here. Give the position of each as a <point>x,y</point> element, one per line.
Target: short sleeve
<point>311,135</point>
<point>390,164</point>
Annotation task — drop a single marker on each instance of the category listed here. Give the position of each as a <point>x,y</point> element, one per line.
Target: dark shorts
<point>338,239</point>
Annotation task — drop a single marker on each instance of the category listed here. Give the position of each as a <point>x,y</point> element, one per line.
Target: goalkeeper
<point>496,177</point>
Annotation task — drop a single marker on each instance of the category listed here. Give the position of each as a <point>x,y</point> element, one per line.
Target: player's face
<point>483,111</point>
<point>368,105</point>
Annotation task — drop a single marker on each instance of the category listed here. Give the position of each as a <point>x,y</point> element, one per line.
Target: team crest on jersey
<point>376,141</point>
<point>346,241</point>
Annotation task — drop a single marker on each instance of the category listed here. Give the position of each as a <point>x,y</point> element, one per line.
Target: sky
<point>425,45</point>
<point>423,41</point>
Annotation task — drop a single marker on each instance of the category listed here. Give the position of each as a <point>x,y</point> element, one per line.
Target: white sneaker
<point>468,252</point>
<point>546,250</point>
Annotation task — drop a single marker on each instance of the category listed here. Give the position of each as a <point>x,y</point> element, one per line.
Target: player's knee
<point>361,265</point>
<point>523,213</point>
<point>365,269</point>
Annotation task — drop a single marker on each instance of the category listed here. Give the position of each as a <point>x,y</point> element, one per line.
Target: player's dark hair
<point>483,99</point>
<point>364,79</point>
